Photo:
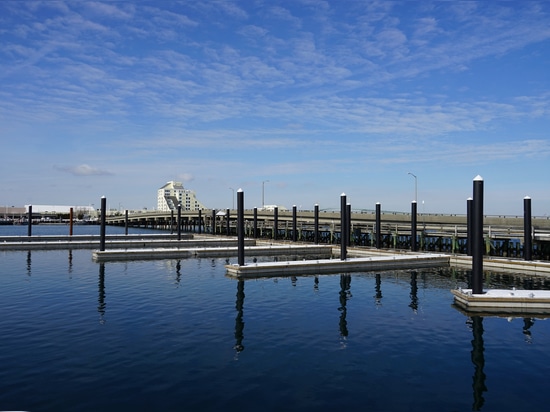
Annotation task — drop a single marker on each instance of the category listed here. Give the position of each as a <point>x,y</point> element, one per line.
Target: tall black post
<point>171,221</point>
<point>378,227</point>
<point>477,237</point>
<point>255,226</point>
<point>240,226</point>
<point>102,224</point>
<point>527,229</point>
<point>343,224</point>
<point>413,226</point>
<point>348,224</point>
<point>29,221</point>
<point>275,222</point>
<point>316,224</point>
<point>294,224</point>
<point>200,221</point>
<point>228,227</point>
<point>179,221</point>
<point>213,222</point>
<point>469,211</point>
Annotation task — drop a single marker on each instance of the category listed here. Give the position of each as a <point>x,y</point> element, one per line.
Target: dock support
<point>171,222</point>
<point>126,222</point>
<point>228,227</point>
<point>200,221</point>
<point>414,247</point>
<point>527,229</point>
<point>71,219</point>
<point>378,227</point>
<point>348,224</point>
<point>255,233</point>
<point>343,224</point>
<point>179,221</point>
<point>240,227</point>
<point>477,237</point>
<point>316,224</point>
<point>29,222</point>
<point>294,224</point>
<point>102,223</point>
<point>213,222</point>
<point>469,206</point>
<point>275,222</point>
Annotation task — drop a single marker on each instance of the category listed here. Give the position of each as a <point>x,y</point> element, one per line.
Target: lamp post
<point>233,197</point>
<point>415,185</point>
<point>263,191</point>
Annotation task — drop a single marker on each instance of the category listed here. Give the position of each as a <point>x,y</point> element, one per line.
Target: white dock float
<point>504,300</point>
<point>363,264</point>
<point>289,251</point>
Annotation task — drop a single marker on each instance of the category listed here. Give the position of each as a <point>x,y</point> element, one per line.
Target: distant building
<point>173,193</point>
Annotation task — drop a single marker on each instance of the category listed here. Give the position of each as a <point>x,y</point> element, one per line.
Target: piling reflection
<point>527,323</point>
<point>178,272</point>
<point>101,296</point>
<point>345,294</point>
<point>316,284</point>
<point>239,323</point>
<point>478,359</point>
<point>29,263</point>
<point>70,261</point>
<point>378,291</point>
<point>414,293</point>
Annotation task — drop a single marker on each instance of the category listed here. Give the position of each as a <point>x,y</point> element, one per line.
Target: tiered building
<point>173,193</point>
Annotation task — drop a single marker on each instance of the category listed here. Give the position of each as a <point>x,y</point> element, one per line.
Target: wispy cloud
<point>83,170</point>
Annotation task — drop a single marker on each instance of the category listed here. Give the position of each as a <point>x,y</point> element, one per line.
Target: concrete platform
<point>504,300</point>
<point>322,266</point>
<point>288,251</point>
<point>535,267</point>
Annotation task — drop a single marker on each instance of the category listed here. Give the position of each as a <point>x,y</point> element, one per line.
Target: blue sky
<point>312,97</point>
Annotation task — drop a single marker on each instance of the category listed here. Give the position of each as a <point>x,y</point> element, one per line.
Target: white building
<point>172,193</point>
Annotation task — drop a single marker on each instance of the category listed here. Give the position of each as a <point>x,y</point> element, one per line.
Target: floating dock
<point>286,251</point>
<point>503,300</point>
<point>323,266</point>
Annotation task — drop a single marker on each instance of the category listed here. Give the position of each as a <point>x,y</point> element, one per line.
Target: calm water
<point>180,335</point>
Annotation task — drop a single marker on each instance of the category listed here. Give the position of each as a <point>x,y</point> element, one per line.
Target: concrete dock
<point>509,301</point>
<point>323,266</point>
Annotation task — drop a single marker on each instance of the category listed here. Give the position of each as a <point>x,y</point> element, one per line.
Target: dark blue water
<point>180,335</point>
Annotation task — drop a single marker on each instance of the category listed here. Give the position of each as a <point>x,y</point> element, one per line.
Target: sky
<point>294,101</point>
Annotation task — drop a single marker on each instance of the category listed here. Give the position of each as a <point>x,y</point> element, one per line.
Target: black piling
<point>171,222</point>
<point>255,226</point>
<point>71,221</point>
<point>343,224</point>
<point>316,224</point>
<point>179,221</point>
<point>275,222</point>
<point>102,224</point>
<point>228,226</point>
<point>29,221</point>
<point>348,224</point>
<point>378,227</point>
<point>527,229</point>
<point>240,226</point>
<point>414,247</point>
<point>294,224</point>
<point>126,222</point>
<point>469,206</point>
<point>213,223</point>
<point>477,237</point>
<point>200,221</point>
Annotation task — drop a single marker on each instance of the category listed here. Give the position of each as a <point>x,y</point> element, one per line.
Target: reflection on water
<point>345,295</point>
<point>378,290</point>
<point>29,262</point>
<point>101,296</point>
<point>239,323</point>
<point>478,359</point>
<point>414,293</point>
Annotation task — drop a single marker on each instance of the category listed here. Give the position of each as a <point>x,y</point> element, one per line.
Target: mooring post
<point>255,234</point>
<point>171,221</point>
<point>71,218</point>
<point>126,222</point>
<point>228,227</point>
<point>413,226</point>
<point>275,222</point>
<point>527,229</point>
<point>469,211</point>
<point>102,223</point>
<point>213,223</point>
<point>348,224</point>
<point>343,224</point>
<point>294,224</point>
<point>477,237</point>
<point>316,224</point>
<point>378,227</point>
<point>240,226</point>
<point>179,221</point>
<point>29,221</point>
<point>200,221</point>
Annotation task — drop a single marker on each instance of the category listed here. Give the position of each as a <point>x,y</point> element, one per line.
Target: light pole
<point>233,197</point>
<point>415,185</point>
<point>263,191</point>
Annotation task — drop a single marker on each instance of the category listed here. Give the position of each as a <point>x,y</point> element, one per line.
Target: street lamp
<point>415,185</point>
<point>233,197</point>
<point>263,192</point>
